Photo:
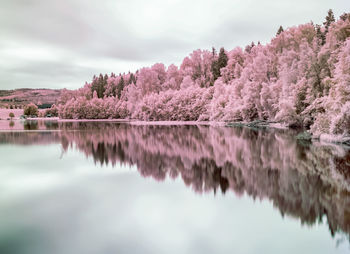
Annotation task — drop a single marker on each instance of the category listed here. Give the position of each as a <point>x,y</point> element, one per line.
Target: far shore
<point>255,124</point>
<point>4,113</point>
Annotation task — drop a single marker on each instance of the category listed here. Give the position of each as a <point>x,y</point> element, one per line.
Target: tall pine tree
<point>320,35</point>
<point>120,87</point>
<point>221,62</point>
<point>280,30</point>
<point>329,20</point>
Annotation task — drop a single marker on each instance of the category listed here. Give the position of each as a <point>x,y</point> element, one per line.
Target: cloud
<point>69,41</point>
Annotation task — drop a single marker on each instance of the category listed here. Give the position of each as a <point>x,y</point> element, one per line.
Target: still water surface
<point>95,187</point>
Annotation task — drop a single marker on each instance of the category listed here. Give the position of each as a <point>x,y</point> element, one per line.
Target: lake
<point>106,187</point>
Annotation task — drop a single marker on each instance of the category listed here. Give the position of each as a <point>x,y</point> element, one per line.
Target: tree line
<point>300,78</point>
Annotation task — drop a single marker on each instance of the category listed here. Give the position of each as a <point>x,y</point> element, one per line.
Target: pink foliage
<point>301,77</point>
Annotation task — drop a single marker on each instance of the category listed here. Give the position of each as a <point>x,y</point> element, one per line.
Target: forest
<point>301,78</point>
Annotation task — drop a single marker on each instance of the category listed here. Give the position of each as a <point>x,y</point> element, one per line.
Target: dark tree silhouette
<point>280,30</point>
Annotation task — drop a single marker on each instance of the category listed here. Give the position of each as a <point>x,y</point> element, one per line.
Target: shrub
<point>52,112</point>
<point>31,110</point>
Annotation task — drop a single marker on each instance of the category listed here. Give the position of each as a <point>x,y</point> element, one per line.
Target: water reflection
<point>306,181</point>
<point>31,125</point>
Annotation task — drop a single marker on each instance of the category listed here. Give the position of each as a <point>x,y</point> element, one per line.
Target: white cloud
<point>86,38</point>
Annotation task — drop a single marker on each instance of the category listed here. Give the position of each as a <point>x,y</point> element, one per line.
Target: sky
<point>63,43</point>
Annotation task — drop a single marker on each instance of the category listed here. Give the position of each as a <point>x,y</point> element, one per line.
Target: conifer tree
<point>280,30</point>
<point>120,87</point>
<point>221,62</point>
<point>329,20</point>
<point>345,16</point>
<point>320,35</point>
<point>132,79</point>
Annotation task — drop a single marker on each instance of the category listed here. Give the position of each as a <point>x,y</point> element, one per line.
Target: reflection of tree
<point>29,138</point>
<point>304,181</point>
<point>51,125</point>
<point>31,125</point>
<point>307,182</point>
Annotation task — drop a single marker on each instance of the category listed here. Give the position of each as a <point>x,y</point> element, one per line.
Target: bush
<point>31,110</point>
<point>51,112</point>
<point>340,124</point>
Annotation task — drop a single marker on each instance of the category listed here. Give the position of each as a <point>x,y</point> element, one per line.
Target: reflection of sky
<point>51,203</point>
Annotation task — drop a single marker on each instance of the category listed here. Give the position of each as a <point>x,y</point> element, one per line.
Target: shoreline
<point>259,124</point>
<point>253,124</point>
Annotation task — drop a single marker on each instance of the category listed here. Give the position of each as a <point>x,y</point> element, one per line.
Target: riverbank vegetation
<point>300,78</point>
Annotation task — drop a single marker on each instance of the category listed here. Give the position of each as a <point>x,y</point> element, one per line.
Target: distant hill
<point>19,97</point>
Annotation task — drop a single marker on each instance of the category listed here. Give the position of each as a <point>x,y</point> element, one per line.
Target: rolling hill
<point>19,97</point>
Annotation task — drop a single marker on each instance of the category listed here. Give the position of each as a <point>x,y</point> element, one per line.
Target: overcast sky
<point>63,43</point>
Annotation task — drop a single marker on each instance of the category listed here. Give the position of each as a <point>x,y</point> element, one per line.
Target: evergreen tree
<point>329,20</point>
<point>315,79</point>
<point>280,30</point>
<point>94,84</point>
<point>120,87</point>
<point>345,16</point>
<point>320,35</point>
<point>248,48</point>
<point>214,65</point>
<point>213,51</point>
<point>99,85</point>
<point>132,79</point>
<point>218,63</point>
<point>222,61</point>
